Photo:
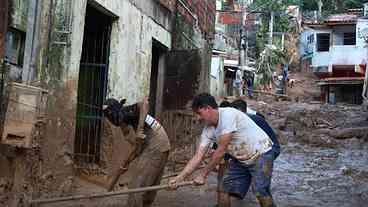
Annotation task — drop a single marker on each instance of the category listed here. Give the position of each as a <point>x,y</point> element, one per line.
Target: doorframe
<point>161,70</point>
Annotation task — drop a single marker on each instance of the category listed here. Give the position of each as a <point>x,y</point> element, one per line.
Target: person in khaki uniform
<point>152,147</point>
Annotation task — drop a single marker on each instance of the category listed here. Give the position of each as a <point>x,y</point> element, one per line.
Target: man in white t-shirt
<point>236,134</point>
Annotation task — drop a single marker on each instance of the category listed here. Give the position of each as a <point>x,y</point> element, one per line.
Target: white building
<point>335,51</point>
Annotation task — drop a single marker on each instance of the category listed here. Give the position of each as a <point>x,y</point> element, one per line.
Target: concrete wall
<point>49,170</point>
<point>337,54</point>
<point>131,46</point>
<point>356,55</point>
<point>361,32</point>
<point>19,14</point>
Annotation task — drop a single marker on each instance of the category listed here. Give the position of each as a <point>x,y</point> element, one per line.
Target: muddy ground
<point>314,168</point>
<point>324,158</point>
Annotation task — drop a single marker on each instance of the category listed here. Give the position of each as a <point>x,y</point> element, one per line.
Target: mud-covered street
<point>312,170</point>
<point>183,103</point>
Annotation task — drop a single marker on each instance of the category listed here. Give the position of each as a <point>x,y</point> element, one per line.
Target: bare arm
<point>218,154</point>
<point>189,168</point>
<point>193,163</point>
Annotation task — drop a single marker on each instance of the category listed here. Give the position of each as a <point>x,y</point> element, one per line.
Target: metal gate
<point>92,87</point>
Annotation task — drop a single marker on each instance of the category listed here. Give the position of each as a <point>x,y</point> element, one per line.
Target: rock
<point>349,133</point>
<point>279,124</point>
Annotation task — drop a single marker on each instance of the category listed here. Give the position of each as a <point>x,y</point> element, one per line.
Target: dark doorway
<point>92,85</point>
<point>157,71</point>
<point>183,70</point>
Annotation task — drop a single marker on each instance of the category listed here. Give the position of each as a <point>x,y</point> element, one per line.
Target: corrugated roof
<point>342,18</point>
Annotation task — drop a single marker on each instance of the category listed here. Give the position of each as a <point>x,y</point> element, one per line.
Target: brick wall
<point>205,10</point>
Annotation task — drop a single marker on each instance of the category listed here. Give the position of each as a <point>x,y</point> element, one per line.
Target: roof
<point>341,81</point>
<point>336,19</point>
<point>231,63</point>
<point>342,18</point>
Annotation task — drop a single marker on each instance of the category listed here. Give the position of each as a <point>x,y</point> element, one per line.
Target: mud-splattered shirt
<point>158,138</point>
<point>248,142</point>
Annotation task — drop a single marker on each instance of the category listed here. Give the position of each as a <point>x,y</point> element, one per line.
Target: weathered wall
<point>19,14</point>
<point>131,46</point>
<point>3,26</point>
<point>58,71</point>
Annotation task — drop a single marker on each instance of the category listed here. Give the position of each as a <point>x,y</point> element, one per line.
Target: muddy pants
<point>148,168</point>
<point>239,176</point>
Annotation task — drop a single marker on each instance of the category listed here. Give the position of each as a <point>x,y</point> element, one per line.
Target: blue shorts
<point>238,177</point>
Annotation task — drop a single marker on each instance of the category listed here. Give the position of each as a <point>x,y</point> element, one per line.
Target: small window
<point>310,39</point>
<point>349,38</point>
<point>323,42</point>
<point>14,49</point>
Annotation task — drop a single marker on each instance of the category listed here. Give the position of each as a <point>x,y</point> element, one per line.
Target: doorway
<point>92,85</point>
<point>157,77</point>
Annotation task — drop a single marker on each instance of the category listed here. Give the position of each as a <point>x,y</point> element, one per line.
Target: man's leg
<point>237,180</point>
<point>262,173</point>
<point>136,199</point>
<point>158,170</point>
<point>148,169</point>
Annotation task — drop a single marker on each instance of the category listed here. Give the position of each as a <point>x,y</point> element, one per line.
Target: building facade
<point>77,54</point>
<point>335,51</point>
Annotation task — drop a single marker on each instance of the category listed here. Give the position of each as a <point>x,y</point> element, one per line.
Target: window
<point>14,49</point>
<point>323,42</point>
<point>349,38</point>
<point>310,39</point>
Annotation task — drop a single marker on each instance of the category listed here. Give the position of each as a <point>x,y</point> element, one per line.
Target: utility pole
<point>272,15</point>
<point>320,5</point>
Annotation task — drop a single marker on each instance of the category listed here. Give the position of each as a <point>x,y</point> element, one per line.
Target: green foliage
<point>281,20</point>
<point>331,6</point>
<point>274,5</point>
<point>269,58</point>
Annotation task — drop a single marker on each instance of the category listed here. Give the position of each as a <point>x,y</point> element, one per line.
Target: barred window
<point>349,38</point>
<point>14,49</point>
<point>323,42</point>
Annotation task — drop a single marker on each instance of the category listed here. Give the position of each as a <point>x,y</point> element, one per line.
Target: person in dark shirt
<point>262,123</point>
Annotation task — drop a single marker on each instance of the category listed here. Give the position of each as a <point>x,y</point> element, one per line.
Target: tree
<point>270,57</point>
<point>331,6</point>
